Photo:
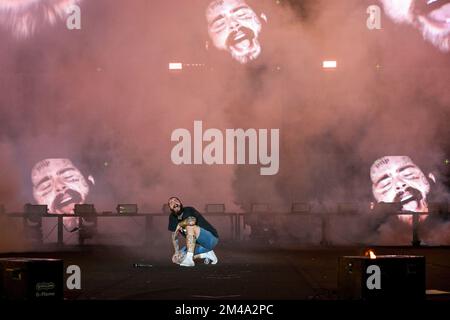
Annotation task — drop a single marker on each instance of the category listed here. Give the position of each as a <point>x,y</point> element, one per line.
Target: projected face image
<point>24,17</point>
<point>431,17</point>
<point>398,179</point>
<point>233,26</point>
<point>58,184</point>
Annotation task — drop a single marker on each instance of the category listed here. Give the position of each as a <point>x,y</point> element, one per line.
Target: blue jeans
<point>206,242</point>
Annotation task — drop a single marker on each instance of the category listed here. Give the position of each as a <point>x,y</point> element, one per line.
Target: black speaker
<point>386,277</point>
<point>31,279</point>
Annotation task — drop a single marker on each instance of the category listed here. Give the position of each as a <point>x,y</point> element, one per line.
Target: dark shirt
<point>191,212</point>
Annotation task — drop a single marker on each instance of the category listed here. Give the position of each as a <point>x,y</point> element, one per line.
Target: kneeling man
<point>201,236</point>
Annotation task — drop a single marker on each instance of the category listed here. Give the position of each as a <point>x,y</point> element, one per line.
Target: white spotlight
<point>329,64</point>
<point>175,66</point>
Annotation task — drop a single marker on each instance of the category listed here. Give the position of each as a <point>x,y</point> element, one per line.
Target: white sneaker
<point>187,261</point>
<point>211,256</point>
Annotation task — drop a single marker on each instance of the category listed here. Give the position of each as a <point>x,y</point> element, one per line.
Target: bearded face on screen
<point>431,17</point>
<point>58,184</point>
<point>233,26</point>
<point>25,17</point>
<point>396,179</point>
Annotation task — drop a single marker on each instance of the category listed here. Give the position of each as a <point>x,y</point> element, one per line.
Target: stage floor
<point>243,272</point>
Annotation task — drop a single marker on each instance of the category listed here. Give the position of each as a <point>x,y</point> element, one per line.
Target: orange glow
<point>371,254</point>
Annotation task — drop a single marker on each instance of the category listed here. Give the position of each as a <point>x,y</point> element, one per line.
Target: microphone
<point>142,265</point>
<point>416,196</point>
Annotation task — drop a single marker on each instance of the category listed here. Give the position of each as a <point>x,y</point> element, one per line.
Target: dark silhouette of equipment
<point>385,278</point>
<point>261,221</point>
<point>88,221</point>
<point>382,212</point>
<point>31,279</point>
<point>32,222</point>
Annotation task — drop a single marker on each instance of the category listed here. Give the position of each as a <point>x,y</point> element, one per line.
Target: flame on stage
<point>370,254</point>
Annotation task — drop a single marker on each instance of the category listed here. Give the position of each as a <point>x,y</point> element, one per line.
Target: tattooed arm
<point>175,239</point>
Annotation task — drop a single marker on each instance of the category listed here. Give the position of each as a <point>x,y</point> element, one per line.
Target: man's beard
<point>64,202</point>
<point>179,212</point>
<point>439,38</point>
<point>243,45</point>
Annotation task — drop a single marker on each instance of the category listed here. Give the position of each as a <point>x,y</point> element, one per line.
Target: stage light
<point>87,212</point>
<point>215,208</point>
<point>35,209</point>
<point>329,64</point>
<point>127,209</point>
<point>84,209</point>
<point>175,66</point>
<point>300,207</point>
<point>260,207</point>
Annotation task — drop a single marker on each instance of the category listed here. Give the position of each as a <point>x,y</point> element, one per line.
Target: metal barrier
<point>237,222</point>
<point>148,221</point>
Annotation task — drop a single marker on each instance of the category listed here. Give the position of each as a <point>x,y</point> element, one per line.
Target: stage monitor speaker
<point>384,278</point>
<point>31,279</point>
<point>260,208</point>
